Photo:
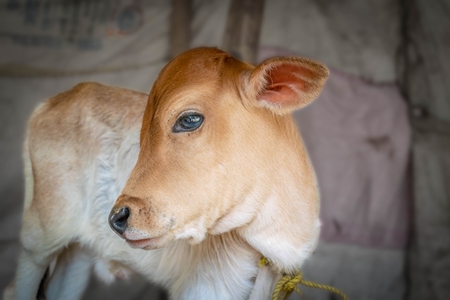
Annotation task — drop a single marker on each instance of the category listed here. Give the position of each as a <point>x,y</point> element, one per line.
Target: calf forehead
<point>206,67</point>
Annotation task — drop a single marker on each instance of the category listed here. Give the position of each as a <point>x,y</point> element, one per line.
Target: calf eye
<point>188,122</point>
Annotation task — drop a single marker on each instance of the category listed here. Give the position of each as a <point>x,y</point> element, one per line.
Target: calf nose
<point>118,219</point>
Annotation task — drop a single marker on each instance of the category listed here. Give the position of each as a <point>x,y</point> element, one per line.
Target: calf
<point>208,173</point>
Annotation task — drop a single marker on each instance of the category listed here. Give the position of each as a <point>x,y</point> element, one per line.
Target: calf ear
<point>283,84</point>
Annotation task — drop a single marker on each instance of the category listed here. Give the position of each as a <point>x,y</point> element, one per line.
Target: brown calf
<point>221,178</point>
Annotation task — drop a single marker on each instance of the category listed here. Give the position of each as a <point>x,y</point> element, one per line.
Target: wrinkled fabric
<point>82,36</point>
<point>359,138</point>
<point>361,38</point>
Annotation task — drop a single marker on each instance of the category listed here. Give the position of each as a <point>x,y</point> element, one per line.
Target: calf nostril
<point>119,220</point>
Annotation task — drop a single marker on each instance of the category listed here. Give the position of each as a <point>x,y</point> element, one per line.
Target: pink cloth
<point>358,137</point>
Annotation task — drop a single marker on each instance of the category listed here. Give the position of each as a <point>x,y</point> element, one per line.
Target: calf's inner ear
<point>283,84</point>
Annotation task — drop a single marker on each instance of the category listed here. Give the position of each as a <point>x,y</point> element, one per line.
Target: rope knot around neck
<point>289,283</point>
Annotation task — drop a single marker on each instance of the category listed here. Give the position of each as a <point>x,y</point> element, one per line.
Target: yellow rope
<point>287,284</point>
<point>263,262</point>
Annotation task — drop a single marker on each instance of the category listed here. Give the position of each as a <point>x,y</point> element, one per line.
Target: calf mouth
<point>148,243</point>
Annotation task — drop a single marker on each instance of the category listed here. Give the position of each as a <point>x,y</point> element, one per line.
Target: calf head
<point>220,151</point>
